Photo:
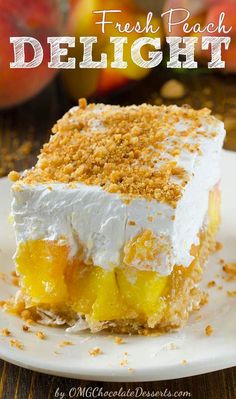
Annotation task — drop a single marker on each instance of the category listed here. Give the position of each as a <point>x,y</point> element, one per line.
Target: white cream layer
<point>99,221</point>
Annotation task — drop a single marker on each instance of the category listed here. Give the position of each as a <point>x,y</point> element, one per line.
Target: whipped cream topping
<point>97,221</point>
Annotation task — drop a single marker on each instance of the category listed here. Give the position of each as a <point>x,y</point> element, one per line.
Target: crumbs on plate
<point>25,328</point>
<point>3,276</point>
<point>211,284</point>
<point>40,335</point>
<point>119,340</point>
<point>123,362</point>
<point>231,293</point>
<point>95,351</point>
<point>65,343</point>
<point>218,246</point>
<point>130,370</point>
<point>16,344</point>
<point>5,332</point>
<point>209,330</point>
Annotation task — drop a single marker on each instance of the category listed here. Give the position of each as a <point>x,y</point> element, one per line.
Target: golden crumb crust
<point>130,150</point>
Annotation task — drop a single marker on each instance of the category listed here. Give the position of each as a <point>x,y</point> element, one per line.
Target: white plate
<point>150,358</point>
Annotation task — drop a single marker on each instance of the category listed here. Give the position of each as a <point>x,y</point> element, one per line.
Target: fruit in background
<point>196,9</point>
<point>204,12</point>
<point>110,79</point>
<point>82,22</point>
<point>36,18</point>
<point>229,7</point>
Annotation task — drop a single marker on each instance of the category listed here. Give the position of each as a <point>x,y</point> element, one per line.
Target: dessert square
<point>117,219</point>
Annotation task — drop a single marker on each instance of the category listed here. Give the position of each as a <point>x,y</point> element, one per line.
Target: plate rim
<point>122,374</point>
<point>141,374</point>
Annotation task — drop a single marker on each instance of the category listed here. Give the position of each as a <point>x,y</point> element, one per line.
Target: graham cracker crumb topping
<point>13,176</point>
<point>82,103</point>
<point>131,150</point>
<point>211,284</point>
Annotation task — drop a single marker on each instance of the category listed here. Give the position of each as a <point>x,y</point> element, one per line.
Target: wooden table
<point>31,122</point>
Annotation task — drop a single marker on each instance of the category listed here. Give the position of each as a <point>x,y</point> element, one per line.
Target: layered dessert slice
<point>116,221</point>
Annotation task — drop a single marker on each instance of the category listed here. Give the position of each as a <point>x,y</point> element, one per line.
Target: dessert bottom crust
<point>104,300</point>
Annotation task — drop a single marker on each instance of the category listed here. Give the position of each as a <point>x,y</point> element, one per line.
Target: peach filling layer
<point>50,278</point>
